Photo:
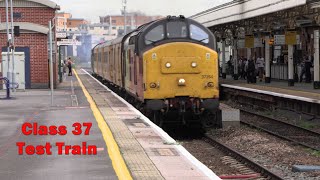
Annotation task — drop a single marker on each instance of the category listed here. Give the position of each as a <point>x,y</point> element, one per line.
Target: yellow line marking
<point>118,163</point>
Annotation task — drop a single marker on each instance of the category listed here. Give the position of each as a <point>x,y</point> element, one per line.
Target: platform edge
<point>117,160</point>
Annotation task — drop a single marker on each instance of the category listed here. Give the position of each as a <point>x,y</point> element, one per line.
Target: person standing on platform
<point>69,64</point>
<point>251,75</point>
<point>308,66</point>
<point>244,68</point>
<point>240,67</point>
<point>260,66</point>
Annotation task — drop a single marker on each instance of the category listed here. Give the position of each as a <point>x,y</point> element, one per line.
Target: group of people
<point>250,68</point>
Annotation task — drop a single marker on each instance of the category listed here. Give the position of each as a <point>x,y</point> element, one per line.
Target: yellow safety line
<point>118,163</point>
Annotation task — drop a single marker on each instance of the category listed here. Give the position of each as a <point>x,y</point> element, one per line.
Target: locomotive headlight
<point>194,64</point>
<point>153,85</point>
<point>168,65</point>
<point>182,82</point>
<point>210,84</point>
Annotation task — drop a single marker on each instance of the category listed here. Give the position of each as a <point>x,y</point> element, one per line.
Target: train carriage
<point>168,67</point>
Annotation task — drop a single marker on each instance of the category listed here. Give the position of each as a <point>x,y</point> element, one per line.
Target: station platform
<point>127,144</point>
<point>300,91</point>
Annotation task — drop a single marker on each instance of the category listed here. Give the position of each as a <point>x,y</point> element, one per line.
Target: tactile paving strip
<point>139,164</point>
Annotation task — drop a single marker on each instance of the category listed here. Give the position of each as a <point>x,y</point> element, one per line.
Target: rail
<point>299,135</point>
<point>258,168</point>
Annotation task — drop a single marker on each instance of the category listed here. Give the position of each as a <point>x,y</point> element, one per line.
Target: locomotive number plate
<point>207,76</point>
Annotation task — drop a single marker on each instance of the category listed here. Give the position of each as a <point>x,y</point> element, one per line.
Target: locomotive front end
<point>182,77</point>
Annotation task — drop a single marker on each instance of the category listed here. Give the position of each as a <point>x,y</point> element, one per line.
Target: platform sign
<point>69,42</point>
<point>60,35</point>
<point>291,37</point>
<point>249,41</point>
<point>258,42</point>
<point>279,40</point>
<point>241,43</point>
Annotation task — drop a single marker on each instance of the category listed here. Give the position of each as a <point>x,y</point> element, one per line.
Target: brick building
<point>73,24</point>
<point>61,21</point>
<point>133,21</point>
<point>32,16</point>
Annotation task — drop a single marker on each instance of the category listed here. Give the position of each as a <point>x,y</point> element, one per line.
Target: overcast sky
<point>92,9</point>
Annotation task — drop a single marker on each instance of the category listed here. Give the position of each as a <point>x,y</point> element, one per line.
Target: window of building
<point>91,28</point>
<point>198,34</point>
<point>69,23</point>
<point>106,28</point>
<point>114,21</point>
<point>176,29</point>
<point>114,27</point>
<point>154,35</point>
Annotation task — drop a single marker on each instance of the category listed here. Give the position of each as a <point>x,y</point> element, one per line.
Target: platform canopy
<point>32,3</point>
<point>27,27</point>
<point>243,9</point>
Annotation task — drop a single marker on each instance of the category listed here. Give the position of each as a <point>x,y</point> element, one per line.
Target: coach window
<point>177,29</point>
<point>198,34</point>
<point>154,35</point>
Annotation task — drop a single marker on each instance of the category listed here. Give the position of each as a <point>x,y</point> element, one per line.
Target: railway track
<point>265,173</point>
<point>290,132</point>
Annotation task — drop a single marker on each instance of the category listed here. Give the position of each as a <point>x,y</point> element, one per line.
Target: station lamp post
<point>316,80</point>
<point>13,46</point>
<point>267,57</point>
<point>124,2</point>
<point>8,42</point>
<point>51,26</point>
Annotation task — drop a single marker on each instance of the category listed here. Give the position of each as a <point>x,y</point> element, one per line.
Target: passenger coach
<point>167,68</point>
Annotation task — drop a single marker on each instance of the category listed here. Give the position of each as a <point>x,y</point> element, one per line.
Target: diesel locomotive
<point>167,68</point>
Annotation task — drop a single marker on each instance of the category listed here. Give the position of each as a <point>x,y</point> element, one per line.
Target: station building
<point>284,32</point>
<point>32,16</point>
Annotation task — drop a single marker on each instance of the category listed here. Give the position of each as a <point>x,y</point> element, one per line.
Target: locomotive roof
<point>141,29</point>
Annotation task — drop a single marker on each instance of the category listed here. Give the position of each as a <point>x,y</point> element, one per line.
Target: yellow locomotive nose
<point>182,82</point>
<point>183,69</point>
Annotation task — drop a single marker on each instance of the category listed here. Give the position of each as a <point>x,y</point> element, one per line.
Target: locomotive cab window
<point>154,35</point>
<point>132,40</point>
<point>176,29</point>
<point>198,34</point>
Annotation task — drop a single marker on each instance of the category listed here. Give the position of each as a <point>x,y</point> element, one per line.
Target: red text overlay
<point>29,129</point>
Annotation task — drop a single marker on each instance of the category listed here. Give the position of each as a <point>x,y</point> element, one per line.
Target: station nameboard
<point>69,42</point>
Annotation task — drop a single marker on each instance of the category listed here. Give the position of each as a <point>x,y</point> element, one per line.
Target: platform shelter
<point>284,32</point>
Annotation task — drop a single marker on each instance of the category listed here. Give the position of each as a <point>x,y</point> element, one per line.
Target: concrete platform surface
<point>33,106</point>
<point>147,150</point>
